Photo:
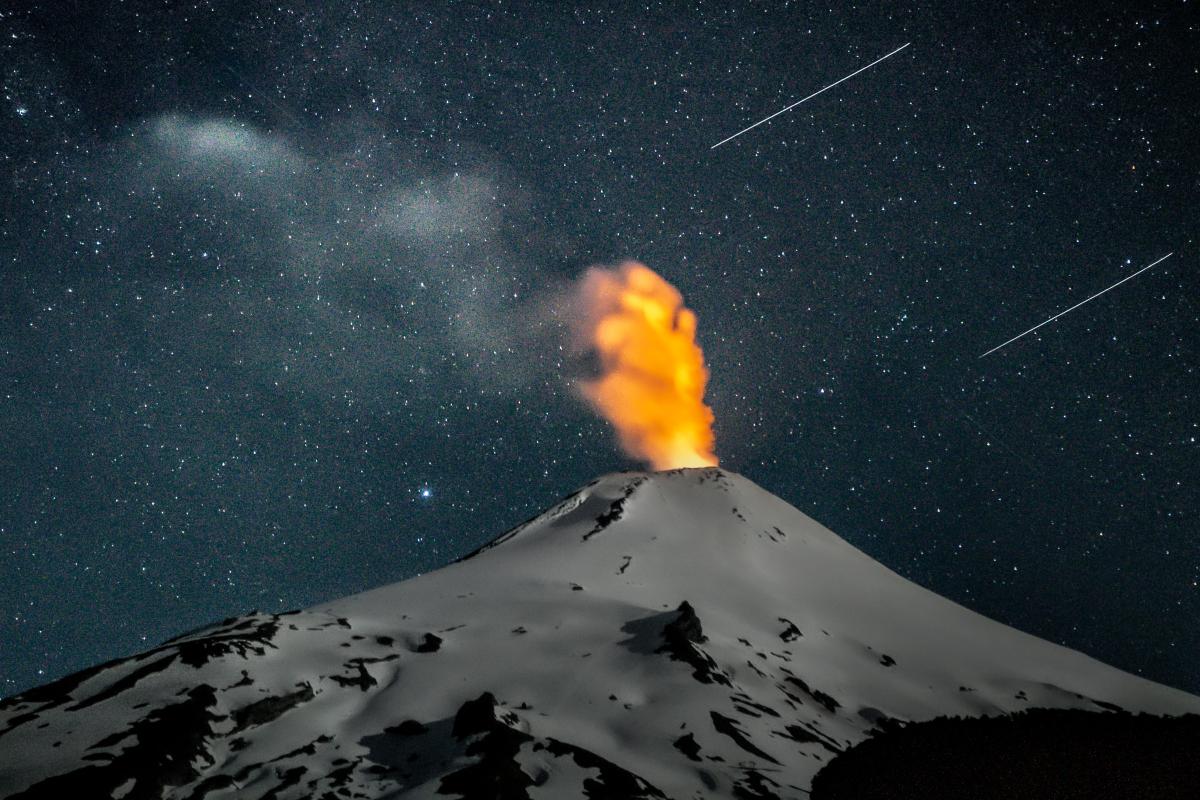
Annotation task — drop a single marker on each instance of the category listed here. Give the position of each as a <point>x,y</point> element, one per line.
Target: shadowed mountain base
<point>1034,755</point>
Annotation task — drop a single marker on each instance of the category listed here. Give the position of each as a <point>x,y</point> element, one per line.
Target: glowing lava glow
<point>652,375</point>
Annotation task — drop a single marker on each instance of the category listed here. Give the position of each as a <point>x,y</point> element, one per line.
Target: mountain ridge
<point>676,634</point>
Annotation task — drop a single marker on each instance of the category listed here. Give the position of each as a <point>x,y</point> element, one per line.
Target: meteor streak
<point>1077,305</point>
<point>811,96</point>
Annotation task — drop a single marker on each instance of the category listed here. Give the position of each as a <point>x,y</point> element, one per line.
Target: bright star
<point>426,493</point>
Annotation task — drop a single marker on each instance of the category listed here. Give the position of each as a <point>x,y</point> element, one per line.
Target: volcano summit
<point>678,634</point>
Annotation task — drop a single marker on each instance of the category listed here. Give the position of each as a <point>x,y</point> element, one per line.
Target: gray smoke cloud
<point>344,270</point>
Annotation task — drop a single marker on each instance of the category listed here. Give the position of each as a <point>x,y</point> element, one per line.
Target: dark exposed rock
<point>493,777</point>
<point>127,682</point>
<point>487,736</point>
<point>805,735</point>
<point>289,777</point>
<point>109,741</point>
<point>747,706</point>
<point>613,782</point>
<point>757,671</point>
<point>475,716</point>
<point>430,644</point>
<point>684,628</point>
<point>607,518</point>
<point>245,681</point>
<point>410,727</point>
<point>687,745</point>
<point>213,783</point>
<point>755,786</point>
<point>727,726</point>
<point>243,636</point>
<point>887,660</point>
<point>496,774</point>
<point>681,636</point>
<point>339,778</point>
<point>56,692</point>
<point>168,743</point>
<point>309,749</point>
<point>791,632</point>
<point>363,679</point>
<point>831,705</point>
<point>615,509</point>
<point>251,638</point>
<point>270,708</point>
<point>19,720</point>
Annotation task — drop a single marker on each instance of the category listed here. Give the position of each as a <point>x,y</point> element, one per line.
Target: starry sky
<point>273,281</point>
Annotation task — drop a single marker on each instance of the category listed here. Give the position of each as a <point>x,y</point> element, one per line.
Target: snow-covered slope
<point>682,634</point>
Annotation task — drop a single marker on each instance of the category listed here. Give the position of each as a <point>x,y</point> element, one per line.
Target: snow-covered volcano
<point>681,634</point>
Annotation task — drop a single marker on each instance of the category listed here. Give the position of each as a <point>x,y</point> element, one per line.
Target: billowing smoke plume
<point>651,371</point>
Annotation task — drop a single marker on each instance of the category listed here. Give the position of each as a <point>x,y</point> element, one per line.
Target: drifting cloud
<point>348,276</point>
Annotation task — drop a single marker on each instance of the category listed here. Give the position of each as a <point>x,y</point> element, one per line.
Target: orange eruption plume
<point>652,375</point>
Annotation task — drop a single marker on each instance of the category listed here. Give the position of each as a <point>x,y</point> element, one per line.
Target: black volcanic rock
<point>269,708</point>
<point>682,637</point>
<point>430,644</point>
<point>163,750</point>
<point>612,782</point>
<point>684,628</point>
<point>687,745</point>
<point>475,716</point>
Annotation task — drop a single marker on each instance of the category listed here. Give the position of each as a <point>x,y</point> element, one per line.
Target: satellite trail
<point>811,96</point>
<point>1077,305</point>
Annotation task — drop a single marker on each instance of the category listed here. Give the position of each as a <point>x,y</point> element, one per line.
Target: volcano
<point>679,634</point>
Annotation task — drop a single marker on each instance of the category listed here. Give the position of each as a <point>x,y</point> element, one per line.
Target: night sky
<point>274,280</point>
